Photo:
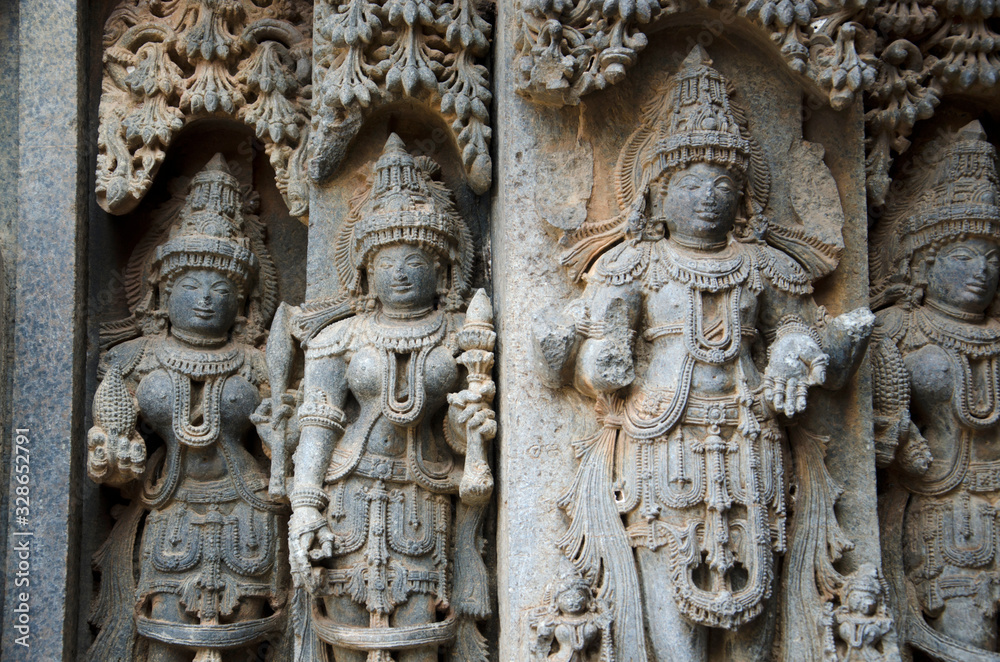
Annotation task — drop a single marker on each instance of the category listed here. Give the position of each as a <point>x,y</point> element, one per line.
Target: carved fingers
<point>115,458</point>
<point>310,539</point>
<point>796,363</point>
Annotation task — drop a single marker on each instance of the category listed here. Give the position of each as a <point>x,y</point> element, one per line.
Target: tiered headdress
<point>955,195</point>
<point>699,125</point>
<point>210,232</point>
<point>693,120</point>
<point>210,225</point>
<point>404,205</point>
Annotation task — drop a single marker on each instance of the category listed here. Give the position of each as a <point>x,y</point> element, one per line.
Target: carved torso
<point>951,527</point>
<point>702,472</point>
<point>209,517</point>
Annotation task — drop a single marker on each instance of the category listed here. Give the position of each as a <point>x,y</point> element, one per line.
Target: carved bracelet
<point>795,324</point>
<point>310,497</point>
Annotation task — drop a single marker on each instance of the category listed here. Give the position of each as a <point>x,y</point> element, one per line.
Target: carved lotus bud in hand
<point>795,364</point>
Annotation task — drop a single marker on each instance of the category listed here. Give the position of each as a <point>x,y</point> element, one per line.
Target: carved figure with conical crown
<point>390,479</point>
<point>698,338</point>
<point>935,264</point>
<point>211,577</point>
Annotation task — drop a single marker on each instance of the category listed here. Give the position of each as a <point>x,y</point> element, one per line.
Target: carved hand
<point>114,459</point>
<point>796,363</point>
<point>472,408</point>
<point>268,420</point>
<point>307,529</point>
<point>914,456</point>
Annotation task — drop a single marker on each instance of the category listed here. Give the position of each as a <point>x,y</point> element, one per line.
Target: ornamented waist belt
<point>983,476</point>
<point>375,466</point>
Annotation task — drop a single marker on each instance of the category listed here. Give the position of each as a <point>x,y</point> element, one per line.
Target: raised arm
<point>116,452</point>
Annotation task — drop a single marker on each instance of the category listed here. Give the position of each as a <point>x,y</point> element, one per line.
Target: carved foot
<point>477,484</point>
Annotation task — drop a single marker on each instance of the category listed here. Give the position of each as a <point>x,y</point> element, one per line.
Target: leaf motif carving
<point>169,63</point>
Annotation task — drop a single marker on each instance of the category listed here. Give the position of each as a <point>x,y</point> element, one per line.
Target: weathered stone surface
<point>46,377</point>
<point>577,93</point>
<point>935,267</point>
<point>539,425</point>
<point>391,477</point>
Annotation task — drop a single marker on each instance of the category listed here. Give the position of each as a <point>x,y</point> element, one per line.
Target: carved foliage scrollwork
<point>375,52</point>
<point>904,55</point>
<point>928,50</point>
<point>569,48</point>
<point>170,62</point>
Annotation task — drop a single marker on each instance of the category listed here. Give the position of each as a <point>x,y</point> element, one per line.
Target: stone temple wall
<point>518,330</point>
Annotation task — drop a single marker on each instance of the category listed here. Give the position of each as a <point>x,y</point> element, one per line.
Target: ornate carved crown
<point>699,124</point>
<point>954,194</point>
<point>404,204</point>
<point>209,234</point>
<point>401,208</point>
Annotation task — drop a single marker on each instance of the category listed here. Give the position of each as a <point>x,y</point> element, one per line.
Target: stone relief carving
<point>372,53</point>
<point>935,262</point>
<point>571,625</point>
<point>570,48</point>
<point>905,56</point>
<point>926,52</point>
<point>168,63</point>
<point>698,339</point>
<point>211,572</point>
<point>391,479</point>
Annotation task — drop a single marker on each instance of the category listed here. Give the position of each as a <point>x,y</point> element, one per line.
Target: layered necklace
<point>964,342</point>
<point>416,338</point>
<point>719,273</point>
<point>211,367</point>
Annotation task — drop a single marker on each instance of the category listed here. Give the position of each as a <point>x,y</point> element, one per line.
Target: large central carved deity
<point>698,337</point>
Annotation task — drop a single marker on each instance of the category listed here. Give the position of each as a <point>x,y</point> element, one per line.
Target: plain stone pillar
<point>47,377</point>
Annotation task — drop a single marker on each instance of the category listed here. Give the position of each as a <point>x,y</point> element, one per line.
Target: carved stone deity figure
<point>698,337</point>
<point>935,262</point>
<point>390,475</point>
<point>211,570</point>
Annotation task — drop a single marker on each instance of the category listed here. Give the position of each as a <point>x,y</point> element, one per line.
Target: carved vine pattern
<point>168,63</point>
<point>905,55</point>
<point>370,53</point>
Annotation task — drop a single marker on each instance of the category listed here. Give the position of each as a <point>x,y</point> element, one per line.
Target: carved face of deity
<point>862,602</point>
<point>404,277</point>
<point>573,600</point>
<point>203,302</point>
<point>964,275</point>
<point>698,203</point>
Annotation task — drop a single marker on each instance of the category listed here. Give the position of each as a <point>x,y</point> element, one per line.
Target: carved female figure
<point>935,267</point>
<point>390,478</point>
<point>695,335</point>
<point>211,559</point>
